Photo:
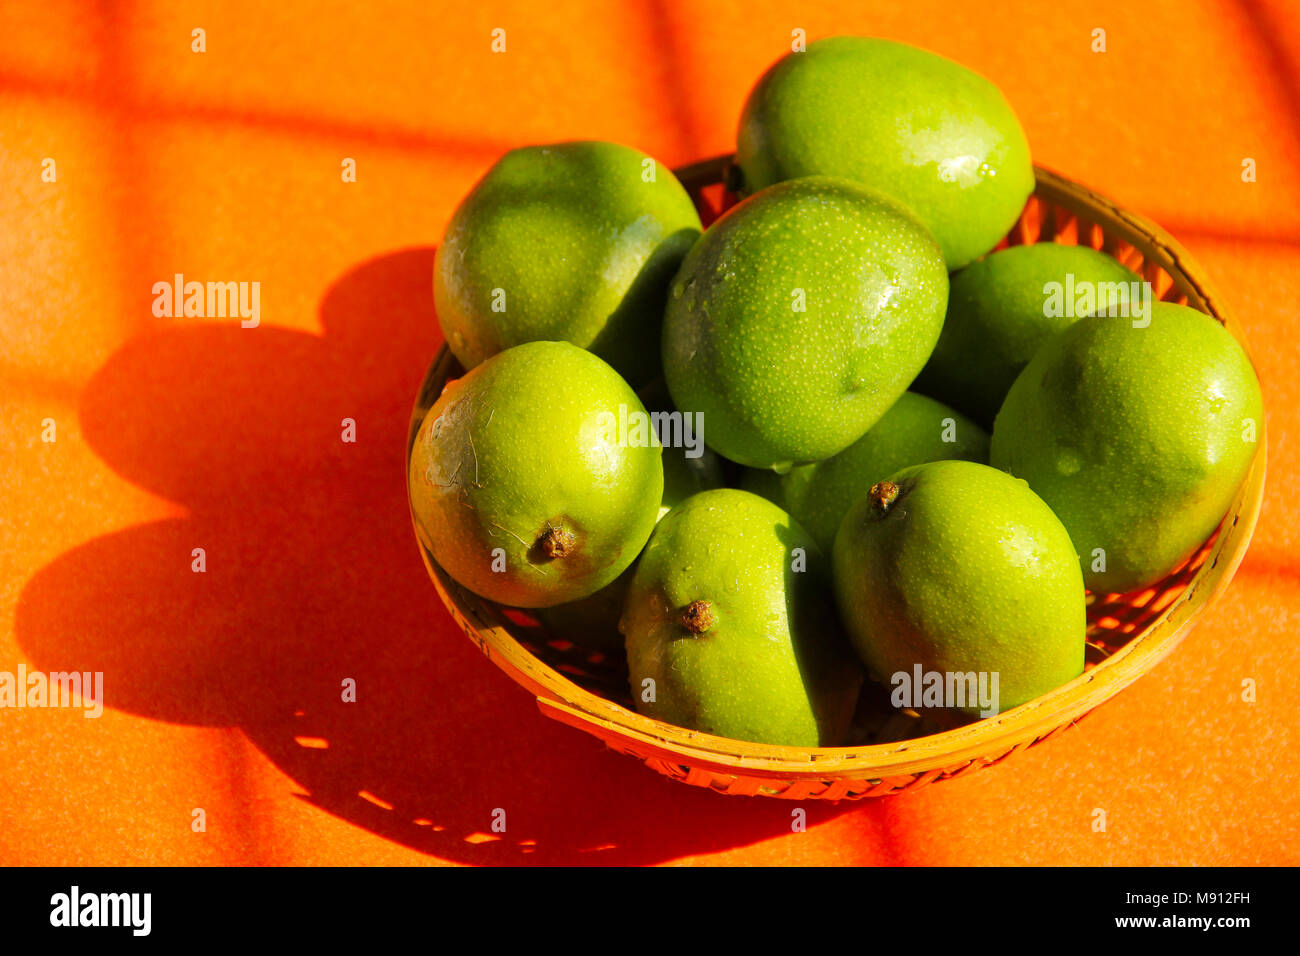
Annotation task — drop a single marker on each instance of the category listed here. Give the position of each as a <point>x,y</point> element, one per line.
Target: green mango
<point>936,136</point>
<point>1002,309</point>
<point>955,567</point>
<point>915,430</point>
<point>1138,437</point>
<point>729,628</point>
<point>799,318</point>
<point>572,242</point>
<point>521,488</point>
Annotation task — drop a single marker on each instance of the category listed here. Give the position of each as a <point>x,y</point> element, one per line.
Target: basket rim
<point>561,698</point>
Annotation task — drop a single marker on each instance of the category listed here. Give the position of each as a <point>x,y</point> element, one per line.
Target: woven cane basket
<point>892,750</point>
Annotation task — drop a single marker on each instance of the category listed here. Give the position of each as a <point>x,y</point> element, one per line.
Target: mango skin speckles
<point>1138,438</point>
<point>967,570</point>
<point>730,630</point>
<point>799,318</point>
<point>936,136</point>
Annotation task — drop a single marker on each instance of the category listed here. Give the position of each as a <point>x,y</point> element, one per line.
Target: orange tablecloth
<point>223,688</point>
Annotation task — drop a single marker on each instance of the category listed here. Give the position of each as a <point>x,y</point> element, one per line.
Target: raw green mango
<point>799,318</point>
<point>915,430</point>
<point>1138,438</point>
<point>520,487</point>
<point>957,568</point>
<point>730,629</point>
<point>1002,309</point>
<point>934,135</point>
<point>572,242</point>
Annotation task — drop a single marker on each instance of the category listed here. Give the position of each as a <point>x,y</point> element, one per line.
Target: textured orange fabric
<point>223,688</point>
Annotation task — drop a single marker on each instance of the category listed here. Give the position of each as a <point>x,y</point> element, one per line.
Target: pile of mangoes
<point>699,447</point>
